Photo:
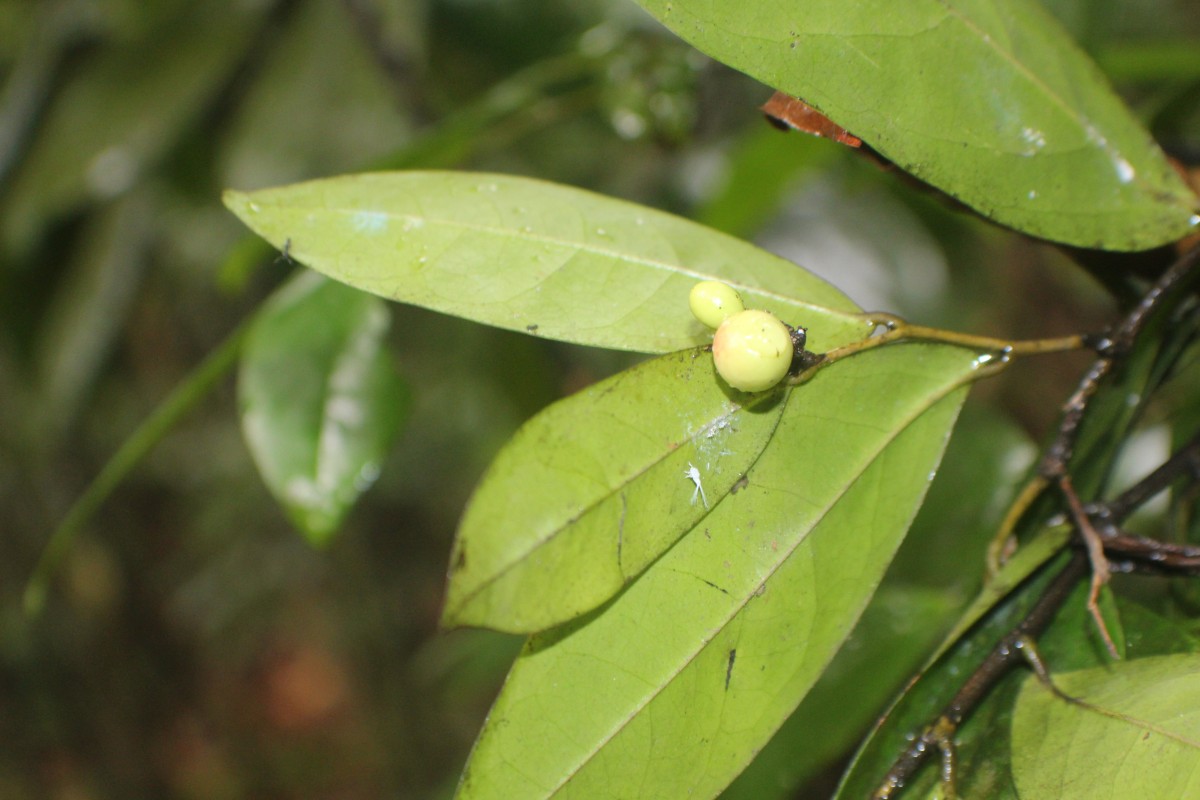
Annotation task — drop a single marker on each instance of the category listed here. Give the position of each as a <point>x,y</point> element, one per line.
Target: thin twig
<point>1009,651</point>
<point>1152,554</point>
<point>1184,461</point>
<point>1004,542</point>
<point>1130,552</point>
<point>1055,463</point>
<point>1094,543</point>
<point>897,329</point>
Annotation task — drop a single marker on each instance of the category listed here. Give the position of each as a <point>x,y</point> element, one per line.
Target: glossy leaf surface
<point>597,486</point>
<point>671,688</point>
<point>320,399</point>
<point>988,101</point>
<point>1138,735</point>
<point>535,257</point>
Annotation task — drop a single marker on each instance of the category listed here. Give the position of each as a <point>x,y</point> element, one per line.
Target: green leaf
<point>988,101</point>
<point>605,486</point>
<point>1138,734</point>
<point>535,257</point>
<point>320,400</point>
<point>895,633</point>
<point>904,622</point>
<point>671,688</point>
<point>987,460</point>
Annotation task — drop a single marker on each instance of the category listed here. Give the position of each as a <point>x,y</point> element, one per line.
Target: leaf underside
<point>597,486</point>
<point>671,688</point>
<point>535,257</point>
<point>320,400</point>
<point>988,101</point>
<point>1138,735</point>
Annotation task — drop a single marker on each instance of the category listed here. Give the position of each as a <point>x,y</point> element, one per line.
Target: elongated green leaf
<point>893,636</point>
<point>597,486</point>
<point>904,622</point>
<point>321,402</point>
<point>671,688</point>
<point>534,257</point>
<point>1138,735</point>
<point>987,100</point>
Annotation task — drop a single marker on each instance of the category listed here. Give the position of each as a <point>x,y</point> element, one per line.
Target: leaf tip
<point>240,204</point>
<point>233,199</point>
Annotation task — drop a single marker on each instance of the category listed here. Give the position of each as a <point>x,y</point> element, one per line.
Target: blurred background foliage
<point>194,645</point>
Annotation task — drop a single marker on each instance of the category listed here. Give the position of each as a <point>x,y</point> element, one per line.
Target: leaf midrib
<point>541,238</point>
<point>740,605</point>
<point>605,496</point>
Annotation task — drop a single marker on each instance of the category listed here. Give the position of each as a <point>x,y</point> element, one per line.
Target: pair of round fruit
<point>752,349</point>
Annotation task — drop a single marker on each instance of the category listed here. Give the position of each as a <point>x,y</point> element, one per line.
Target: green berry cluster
<point>752,349</point>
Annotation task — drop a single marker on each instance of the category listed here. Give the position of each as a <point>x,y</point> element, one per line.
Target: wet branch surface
<point>1100,546</point>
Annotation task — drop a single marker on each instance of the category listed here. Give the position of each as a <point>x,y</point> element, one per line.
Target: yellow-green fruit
<point>752,350</point>
<point>713,302</point>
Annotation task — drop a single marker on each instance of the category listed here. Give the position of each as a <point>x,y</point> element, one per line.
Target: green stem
<point>900,330</point>
<point>182,399</point>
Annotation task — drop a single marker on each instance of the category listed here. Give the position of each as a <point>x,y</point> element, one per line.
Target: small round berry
<point>713,302</point>
<point>752,350</point>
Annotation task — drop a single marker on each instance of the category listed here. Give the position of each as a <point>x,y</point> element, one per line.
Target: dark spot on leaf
<point>460,560</point>
<point>729,667</point>
<point>739,484</point>
<point>531,328</point>
<point>713,585</point>
<point>621,532</point>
